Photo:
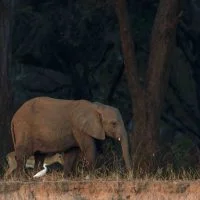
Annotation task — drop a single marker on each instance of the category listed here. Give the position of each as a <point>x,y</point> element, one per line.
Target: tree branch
<point>128,48</point>
<point>162,41</point>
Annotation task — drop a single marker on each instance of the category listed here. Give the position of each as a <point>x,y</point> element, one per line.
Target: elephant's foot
<point>67,175</point>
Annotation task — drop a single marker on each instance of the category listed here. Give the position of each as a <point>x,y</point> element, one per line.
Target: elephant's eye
<point>114,123</point>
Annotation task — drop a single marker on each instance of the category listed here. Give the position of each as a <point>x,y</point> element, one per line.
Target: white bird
<point>42,172</point>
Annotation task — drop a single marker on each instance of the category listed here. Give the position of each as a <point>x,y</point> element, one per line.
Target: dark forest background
<point>72,50</point>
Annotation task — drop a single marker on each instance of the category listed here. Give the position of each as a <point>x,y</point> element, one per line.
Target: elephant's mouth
<point>112,134</point>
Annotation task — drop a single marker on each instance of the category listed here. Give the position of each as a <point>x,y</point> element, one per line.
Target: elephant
<point>30,163</point>
<point>49,125</point>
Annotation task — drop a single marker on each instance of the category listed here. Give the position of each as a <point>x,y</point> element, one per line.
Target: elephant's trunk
<point>125,152</point>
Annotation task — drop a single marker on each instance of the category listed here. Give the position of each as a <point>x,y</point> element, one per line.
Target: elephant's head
<point>113,126</point>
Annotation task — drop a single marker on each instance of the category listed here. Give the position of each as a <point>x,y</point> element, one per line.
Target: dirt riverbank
<point>100,190</point>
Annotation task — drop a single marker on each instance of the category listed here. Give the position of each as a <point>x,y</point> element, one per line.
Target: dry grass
<point>107,181</point>
<point>112,169</point>
<point>110,166</point>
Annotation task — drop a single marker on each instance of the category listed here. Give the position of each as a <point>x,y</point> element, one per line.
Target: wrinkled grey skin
<point>49,125</point>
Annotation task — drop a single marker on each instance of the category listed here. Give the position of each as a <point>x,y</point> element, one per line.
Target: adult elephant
<point>49,125</point>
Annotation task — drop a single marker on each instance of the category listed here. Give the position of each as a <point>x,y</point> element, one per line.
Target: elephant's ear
<point>92,125</point>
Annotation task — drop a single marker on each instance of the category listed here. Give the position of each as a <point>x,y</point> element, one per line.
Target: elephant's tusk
<point>119,139</point>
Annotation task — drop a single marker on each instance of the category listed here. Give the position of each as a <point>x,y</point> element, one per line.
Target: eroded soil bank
<point>99,190</point>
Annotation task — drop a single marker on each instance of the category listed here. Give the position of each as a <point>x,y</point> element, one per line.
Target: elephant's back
<point>47,114</point>
<point>40,117</point>
<point>40,105</point>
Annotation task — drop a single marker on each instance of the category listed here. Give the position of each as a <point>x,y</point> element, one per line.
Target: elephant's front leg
<point>88,147</point>
<point>89,150</point>
<point>70,159</point>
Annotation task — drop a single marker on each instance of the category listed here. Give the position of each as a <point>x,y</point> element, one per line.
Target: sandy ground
<point>100,190</point>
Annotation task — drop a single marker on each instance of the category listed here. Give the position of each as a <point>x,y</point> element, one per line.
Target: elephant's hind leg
<point>21,157</point>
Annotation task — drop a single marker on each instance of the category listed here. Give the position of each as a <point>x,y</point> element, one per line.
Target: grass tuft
<point>110,166</point>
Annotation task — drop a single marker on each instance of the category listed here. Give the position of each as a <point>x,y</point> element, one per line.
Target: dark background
<point>72,50</point>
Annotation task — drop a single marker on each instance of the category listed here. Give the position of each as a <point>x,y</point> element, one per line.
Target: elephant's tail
<point>13,133</point>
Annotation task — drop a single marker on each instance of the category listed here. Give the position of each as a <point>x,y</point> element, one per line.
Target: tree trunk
<point>5,89</point>
<point>161,46</point>
<point>148,100</point>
